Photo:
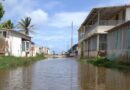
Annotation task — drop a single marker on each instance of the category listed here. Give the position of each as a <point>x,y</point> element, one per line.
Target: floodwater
<point>63,74</point>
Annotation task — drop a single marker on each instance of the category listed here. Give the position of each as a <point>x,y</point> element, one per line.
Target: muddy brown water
<point>63,74</point>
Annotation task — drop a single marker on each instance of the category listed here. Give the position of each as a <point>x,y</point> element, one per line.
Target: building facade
<point>92,33</point>
<point>118,41</point>
<point>14,43</point>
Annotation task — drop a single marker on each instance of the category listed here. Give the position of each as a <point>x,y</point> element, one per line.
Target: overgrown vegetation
<point>7,25</point>
<point>104,62</point>
<point>1,11</point>
<point>13,62</point>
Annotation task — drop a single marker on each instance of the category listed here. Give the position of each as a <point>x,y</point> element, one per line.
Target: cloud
<point>52,4</point>
<point>15,9</point>
<point>55,37</point>
<point>117,2</point>
<point>38,16</point>
<point>112,2</point>
<point>65,19</point>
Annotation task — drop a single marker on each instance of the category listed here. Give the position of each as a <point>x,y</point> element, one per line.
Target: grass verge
<point>103,62</point>
<point>7,62</point>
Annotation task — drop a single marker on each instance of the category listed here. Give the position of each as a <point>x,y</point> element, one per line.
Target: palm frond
<point>25,24</point>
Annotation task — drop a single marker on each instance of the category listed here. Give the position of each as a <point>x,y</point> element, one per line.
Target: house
<point>46,51</point>
<point>36,50</point>
<point>118,42</point>
<point>40,50</point>
<point>14,43</point>
<point>92,33</point>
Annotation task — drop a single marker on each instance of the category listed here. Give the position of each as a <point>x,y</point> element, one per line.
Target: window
<point>23,46</point>
<point>102,42</point>
<point>27,45</point>
<point>103,37</point>
<point>4,33</point>
<point>1,34</point>
<point>102,46</point>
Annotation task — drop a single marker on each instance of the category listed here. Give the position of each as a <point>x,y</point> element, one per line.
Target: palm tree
<point>26,26</point>
<point>1,11</point>
<point>7,25</point>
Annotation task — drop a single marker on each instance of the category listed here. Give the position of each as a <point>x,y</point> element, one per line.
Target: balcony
<point>110,22</point>
<point>98,27</point>
<point>101,26</point>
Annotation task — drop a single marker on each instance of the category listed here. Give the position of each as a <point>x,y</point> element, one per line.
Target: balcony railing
<point>110,22</point>
<point>91,28</point>
<point>105,23</point>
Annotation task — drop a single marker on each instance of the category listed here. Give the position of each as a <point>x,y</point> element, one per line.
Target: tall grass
<point>104,62</point>
<point>13,62</point>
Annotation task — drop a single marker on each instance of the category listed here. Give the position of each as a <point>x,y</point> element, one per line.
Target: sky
<point>53,18</point>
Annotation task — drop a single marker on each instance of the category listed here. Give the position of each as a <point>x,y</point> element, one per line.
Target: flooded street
<point>63,74</point>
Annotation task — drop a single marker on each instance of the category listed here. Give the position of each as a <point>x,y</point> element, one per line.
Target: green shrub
<point>104,62</point>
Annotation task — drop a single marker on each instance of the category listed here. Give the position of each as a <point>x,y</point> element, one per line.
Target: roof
<point>16,32</point>
<point>105,12</point>
<point>120,25</point>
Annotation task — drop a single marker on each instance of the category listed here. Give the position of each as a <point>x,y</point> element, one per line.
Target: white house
<point>35,50</point>
<point>46,51</point>
<point>14,43</point>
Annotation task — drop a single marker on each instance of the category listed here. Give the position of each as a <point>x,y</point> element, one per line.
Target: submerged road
<point>63,74</point>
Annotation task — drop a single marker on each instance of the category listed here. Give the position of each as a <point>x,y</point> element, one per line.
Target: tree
<point>26,26</point>
<point>1,11</point>
<point>7,25</point>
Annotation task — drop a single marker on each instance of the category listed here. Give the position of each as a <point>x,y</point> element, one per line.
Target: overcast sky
<point>53,18</point>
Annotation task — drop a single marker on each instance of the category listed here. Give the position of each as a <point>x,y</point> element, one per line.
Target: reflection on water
<point>103,79</point>
<point>19,79</point>
<point>52,74</point>
<point>63,74</point>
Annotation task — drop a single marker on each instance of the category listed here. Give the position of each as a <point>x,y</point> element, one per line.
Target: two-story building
<point>92,33</point>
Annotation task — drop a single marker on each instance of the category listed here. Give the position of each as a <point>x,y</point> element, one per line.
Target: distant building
<point>40,50</point>
<point>35,50</point>
<point>46,51</point>
<point>14,43</point>
<point>93,31</point>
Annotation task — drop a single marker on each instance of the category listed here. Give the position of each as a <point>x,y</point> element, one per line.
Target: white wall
<point>127,14</point>
<point>15,43</point>
<point>36,50</point>
<point>103,29</point>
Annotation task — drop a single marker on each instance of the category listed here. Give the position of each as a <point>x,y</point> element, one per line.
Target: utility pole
<point>72,27</point>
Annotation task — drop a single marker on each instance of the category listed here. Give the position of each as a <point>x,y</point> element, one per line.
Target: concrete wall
<point>14,42</point>
<point>118,42</point>
<point>15,45</point>
<point>103,29</point>
<point>127,14</point>
<point>90,47</point>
